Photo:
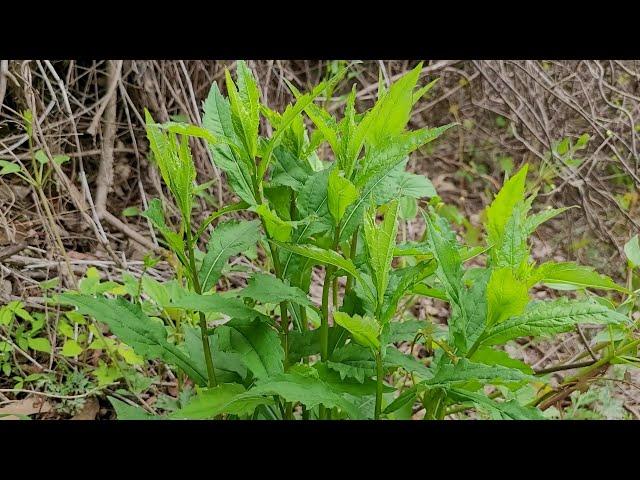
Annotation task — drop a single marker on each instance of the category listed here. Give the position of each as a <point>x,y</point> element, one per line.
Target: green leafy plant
<point>251,352</point>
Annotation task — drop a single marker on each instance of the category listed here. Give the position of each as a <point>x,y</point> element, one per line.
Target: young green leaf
<point>381,241</point>
<point>507,296</point>
<point>340,194</point>
<point>364,330</point>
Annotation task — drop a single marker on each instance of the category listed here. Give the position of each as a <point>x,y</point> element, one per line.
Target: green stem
<point>324,320</point>
<point>379,385</point>
<point>204,334</point>
<point>352,256</point>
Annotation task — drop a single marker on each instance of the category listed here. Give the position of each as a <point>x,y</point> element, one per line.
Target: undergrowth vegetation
<point>271,349</point>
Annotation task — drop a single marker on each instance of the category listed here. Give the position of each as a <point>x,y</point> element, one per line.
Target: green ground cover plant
<point>267,350</point>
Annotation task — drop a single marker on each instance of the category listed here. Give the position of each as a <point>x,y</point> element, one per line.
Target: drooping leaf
<point>124,411</point>
<point>570,273</point>
<point>224,398</point>
<point>133,327</point>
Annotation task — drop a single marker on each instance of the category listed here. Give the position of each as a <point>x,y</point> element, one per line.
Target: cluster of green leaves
<point>262,359</point>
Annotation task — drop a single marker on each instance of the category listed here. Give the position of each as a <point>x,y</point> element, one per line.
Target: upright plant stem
<point>204,334</point>
<point>379,378</point>
<point>324,326</point>
<point>352,256</point>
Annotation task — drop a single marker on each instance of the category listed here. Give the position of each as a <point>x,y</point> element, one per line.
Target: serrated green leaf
<point>228,239</point>
<point>552,317</point>
<point>381,241</point>
<point>211,402</point>
<point>510,410</point>
<point>364,330</point>
<point>307,390</point>
<point>506,294</point>
<point>269,289</point>
<point>572,274</point>
<point>256,342</point>
<point>447,375</point>
<point>340,194</point>
<point>133,327</point>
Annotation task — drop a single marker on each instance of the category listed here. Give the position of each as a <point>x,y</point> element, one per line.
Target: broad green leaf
<point>228,239</point>
<point>321,255</point>
<point>394,358</point>
<point>340,194</point>
<point>312,201</point>
<point>381,241</point>
<point>215,303</point>
<point>353,361</point>
<point>258,344</point>
<point>364,330</point>
<point>573,274</point>
<point>380,166</point>
<point>308,390</point>
<point>510,410</point>
<point>492,356</point>
<point>211,402</point>
<point>228,366</point>
<point>405,331</point>
<point>415,186</point>
<point>277,228</point>
<point>506,294</point>
<point>408,208</point>
<point>269,289</point>
<point>632,251</point>
<point>289,170</point>
<point>390,115</point>
<point>469,315</point>
<point>71,348</point>
<point>9,167</point>
<point>124,411</point>
<point>545,318</point>
<point>447,375</point>
<point>133,327</point>
<point>401,283</point>
<point>39,344</point>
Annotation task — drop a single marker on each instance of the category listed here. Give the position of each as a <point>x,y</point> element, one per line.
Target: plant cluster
<point>267,350</point>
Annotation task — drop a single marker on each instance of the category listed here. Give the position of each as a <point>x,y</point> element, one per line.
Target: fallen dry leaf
<point>89,411</point>
<point>26,406</point>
